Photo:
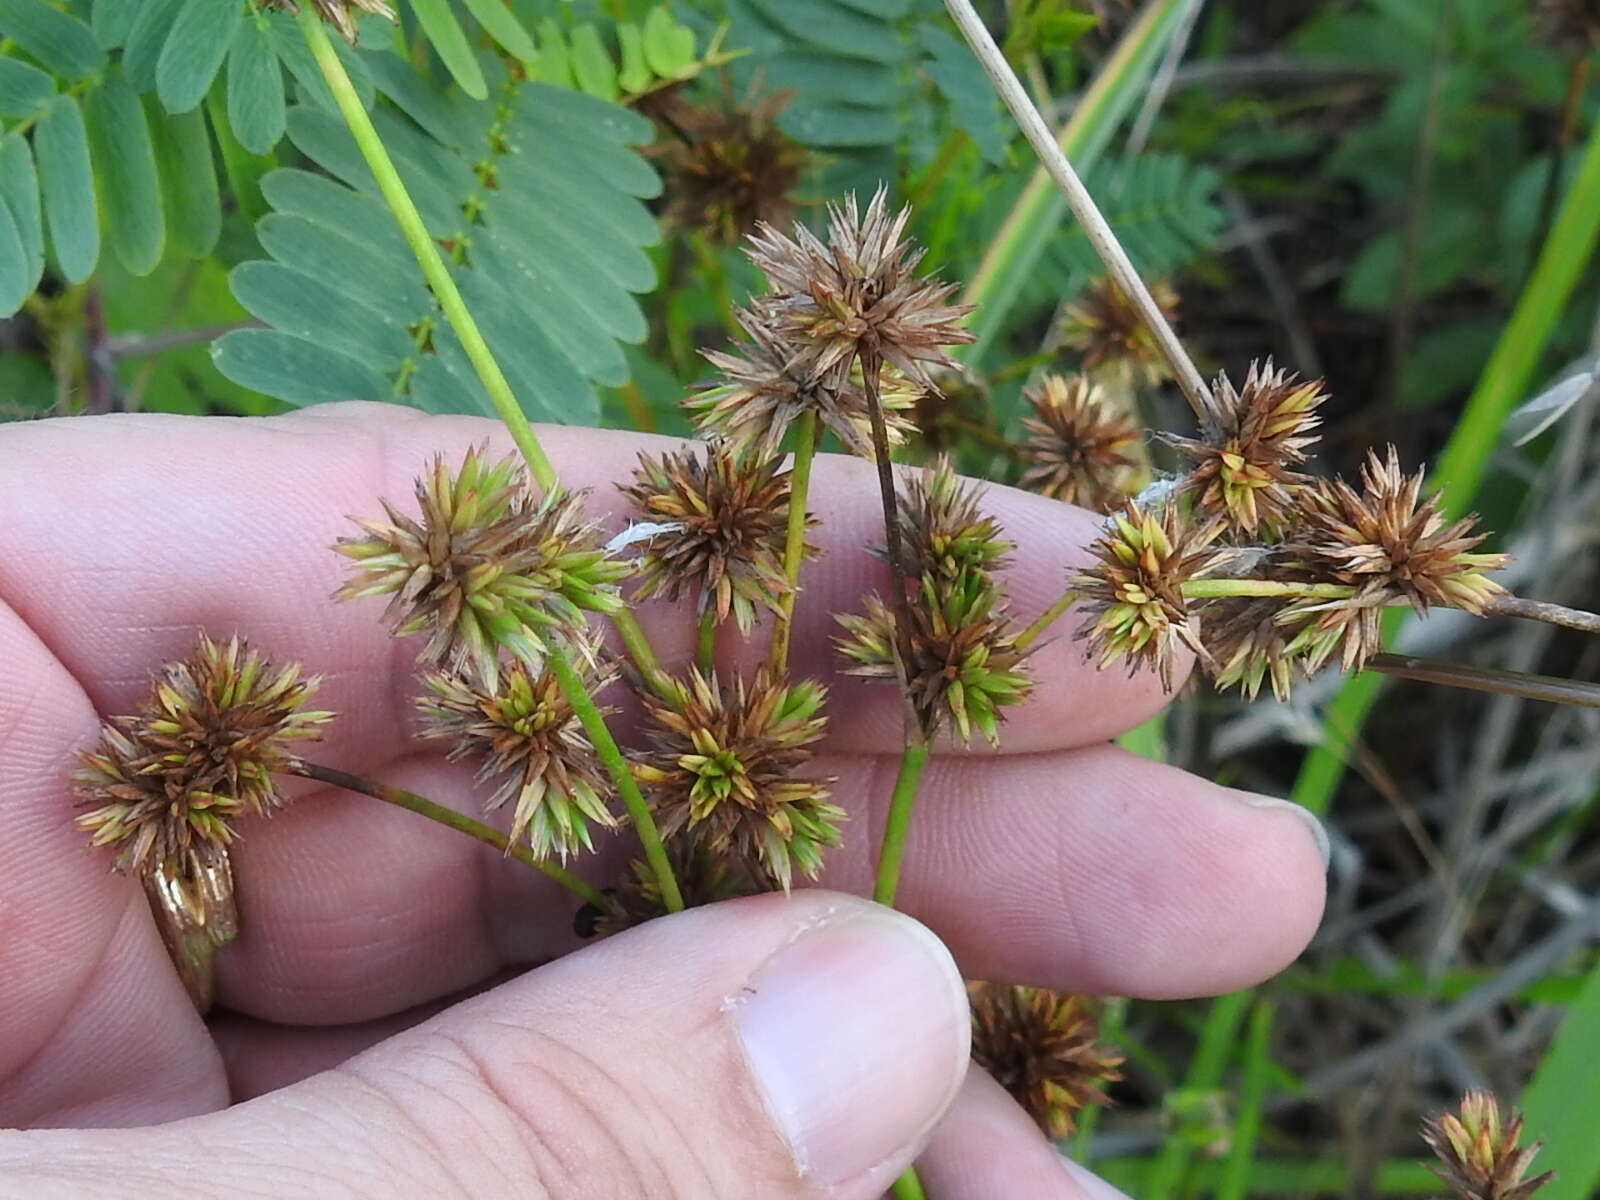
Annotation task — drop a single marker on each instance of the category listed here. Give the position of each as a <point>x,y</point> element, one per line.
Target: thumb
<point>798,1046</point>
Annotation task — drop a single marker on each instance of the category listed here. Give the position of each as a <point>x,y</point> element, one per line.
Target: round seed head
<point>1110,336</point>
<point>724,763</point>
<point>704,876</point>
<point>527,739</point>
<point>722,519</point>
<point>1478,1152</point>
<point>1080,449</point>
<point>944,532</point>
<point>1042,1047</point>
<point>166,784</point>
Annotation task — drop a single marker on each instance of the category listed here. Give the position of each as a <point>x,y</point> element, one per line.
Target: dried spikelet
<point>722,519</point>
<point>1392,545</point>
<point>1079,448</point>
<point>704,876</point>
<point>1478,1152</point>
<point>944,532</point>
<point>729,168</point>
<point>488,566</point>
<point>858,295</point>
<point>527,737</point>
<point>1256,434</point>
<point>338,13</point>
<point>1134,591</point>
<point>1043,1047</point>
<point>766,391</point>
<point>1110,336</point>
<point>964,665</point>
<point>165,785</point>
<point>724,763</point>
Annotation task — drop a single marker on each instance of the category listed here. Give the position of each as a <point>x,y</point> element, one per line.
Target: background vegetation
<point>1394,195</point>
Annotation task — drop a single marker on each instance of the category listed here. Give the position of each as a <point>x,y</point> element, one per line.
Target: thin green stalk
<point>1212,589</point>
<point>443,285</point>
<point>1504,383</point>
<point>1235,1181</point>
<point>422,245</point>
<point>1039,209</point>
<point>451,819</point>
<point>794,538</point>
<point>640,651</point>
<point>1205,1076</point>
<point>904,798</point>
<point>705,646</point>
<point>1046,619</point>
<point>605,748</point>
<point>908,1187</point>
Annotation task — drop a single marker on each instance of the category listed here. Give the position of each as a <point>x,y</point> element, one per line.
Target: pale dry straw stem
<point>1095,227</point>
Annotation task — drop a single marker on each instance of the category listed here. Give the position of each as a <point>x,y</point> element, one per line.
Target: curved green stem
<point>904,798</point>
<point>422,245</point>
<point>605,748</point>
<point>451,819</point>
<point>1046,619</point>
<point>1220,589</point>
<point>794,541</point>
<point>640,651</point>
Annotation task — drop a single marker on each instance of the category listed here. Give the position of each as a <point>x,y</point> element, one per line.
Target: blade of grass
<point>1039,208</point>
<point>1559,1105</point>
<point>1235,1181</point>
<point>1211,1055</point>
<point>1505,382</point>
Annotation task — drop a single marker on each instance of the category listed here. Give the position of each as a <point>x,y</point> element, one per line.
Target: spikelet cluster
<point>1479,1153</point>
<point>1080,449</point>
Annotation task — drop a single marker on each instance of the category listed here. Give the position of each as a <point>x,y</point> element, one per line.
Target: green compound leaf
<point>23,89</point>
<point>445,32</point>
<point>58,40</point>
<point>256,105</point>
<point>194,51</point>
<point>66,181</point>
<point>19,193</point>
<point>131,188</point>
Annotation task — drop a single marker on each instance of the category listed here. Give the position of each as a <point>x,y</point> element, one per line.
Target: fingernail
<point>1090,1184</point>
<point>857,1034</point>
<point>1315,826</point>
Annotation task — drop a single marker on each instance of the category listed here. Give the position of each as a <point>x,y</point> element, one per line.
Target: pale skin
<point>1059,861</point>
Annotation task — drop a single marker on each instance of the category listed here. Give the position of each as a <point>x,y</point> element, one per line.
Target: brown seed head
<point>1571,24</point>
<point>724,518</point>
<point>1079,448</point>
<point>858,295</point>
<point>766,391</point>
<point>965,666</point>
<point>704,877</point>
<point>1478,1152</point>
<point>487,567</point>
<point>1242,462</point>
<point>166,784</point>
<point>1043,1047</point>
<point>729,168</point>
<point>338,13</point>
<point>1106,330</point>
<point>724,763</point>
<point>1142,560</point>
<point>525,736</point>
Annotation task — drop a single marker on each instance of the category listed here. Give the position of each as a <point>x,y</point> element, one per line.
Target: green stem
<point>1214,589</point>
<point>794,540</point>
<point>451,819</point>
<point>423,246</point>
<point>605,748</point>
<point>904,798</point>
<point>705,650</point>
<point>908,1187</point>
<point>1503,384</point>
<point>1046,619</point>
<point>639,650</point>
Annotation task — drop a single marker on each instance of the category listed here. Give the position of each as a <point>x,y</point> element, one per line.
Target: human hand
<point>701,1056</point>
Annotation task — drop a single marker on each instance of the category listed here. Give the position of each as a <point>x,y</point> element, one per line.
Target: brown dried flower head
<point>1133,591</point>
<point>964,663</point>
<point>1081,449</point>
<point>766,392</point>
<point>858,296</point>
<point>1043,1047</point>
<point>487,567</point>
<point>729,168</point>
<point>339,13</point>
<point>1479,1154</point>
<point>1254,436</point>
<point>1248,645</point>
<point>945,533</point>
<point>165,784</point>
<point>1106,330</point>
<point>528,739</point>
<point>1392,545</point>
<point>1573,24</point>
<point>704,876</point>
<point>724,763</point>
<point>722,519</point>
